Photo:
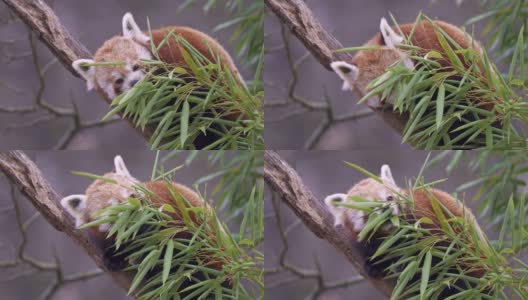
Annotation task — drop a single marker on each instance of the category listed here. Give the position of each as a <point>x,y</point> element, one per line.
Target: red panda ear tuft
<point>386,175</point>
<point>131,30</point>
<point>120,167</point>
<point>87,72</point>
<point>389,36</point>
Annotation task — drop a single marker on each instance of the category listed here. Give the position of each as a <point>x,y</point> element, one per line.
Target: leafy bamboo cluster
<point>236,177</point>
<point>248,21</point>
<point>193,101</point>
<point>451,260</point>
<point>456,98</point>
<point>193,255</point>
<point>497,176</point>
<point>505,18</point>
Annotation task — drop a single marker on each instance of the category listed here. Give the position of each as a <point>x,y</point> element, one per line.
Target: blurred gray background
<point>352,23</point>
<point>90,22</point>
<point>45,241</point>
<point>324,173</point>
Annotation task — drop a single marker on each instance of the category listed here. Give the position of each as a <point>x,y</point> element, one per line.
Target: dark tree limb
<point>322,45</point>
<point>285,181</point>
<point>26,176</point>
<point>299,18</point>
<point>43,22</point>
<point>41,19</point>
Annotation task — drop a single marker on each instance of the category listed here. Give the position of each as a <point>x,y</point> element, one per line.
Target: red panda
<point>129,50</point>
<point>101,194</point>
<point>387,191</point>
<point>369,64</point>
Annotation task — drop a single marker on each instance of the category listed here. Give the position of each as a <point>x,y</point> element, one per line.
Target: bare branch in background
<point>287,184</point>
<point>307,105</point>
<point>25,177</point>
<point>298,273</point>
<point>23,259</point>
<point>50,112</point>
<point>300,20</point>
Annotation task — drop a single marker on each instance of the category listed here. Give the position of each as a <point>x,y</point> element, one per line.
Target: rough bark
<point>43,22</point>
<point>322,45</point>
<point>26,176</point>
<point>285,181</point>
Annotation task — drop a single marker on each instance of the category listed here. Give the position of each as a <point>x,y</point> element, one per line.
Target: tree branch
<point>26,176</point>
<point>322,45</point>
<point>285,181</point>
<point>42,21</point>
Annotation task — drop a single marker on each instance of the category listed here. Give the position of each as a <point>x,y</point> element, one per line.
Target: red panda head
<point>124,57</point>
<point>370,189</point>
<point>370,64</point>
<point>101,194</point>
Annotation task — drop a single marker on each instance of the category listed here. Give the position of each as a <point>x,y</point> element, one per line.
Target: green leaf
<point>184,119</point>
<point>367,173</point>
<point>440,105</point>
<point>167,260</point>
<point>426,270</point>
<point>403,279</point>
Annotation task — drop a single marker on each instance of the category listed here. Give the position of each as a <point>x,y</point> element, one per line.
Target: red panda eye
<point>119,81</point>
<point>135,67</point>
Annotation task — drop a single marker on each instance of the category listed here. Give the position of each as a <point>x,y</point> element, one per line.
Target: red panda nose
<point>133,82</point>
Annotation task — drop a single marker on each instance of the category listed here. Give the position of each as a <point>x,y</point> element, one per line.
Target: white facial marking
<point>79,221</point>
<point>358,220</point>
<point>388,180</point>
<point>104,227</point>
<point>107,87</point>
<point>124,193</point>
<point>113,202</point>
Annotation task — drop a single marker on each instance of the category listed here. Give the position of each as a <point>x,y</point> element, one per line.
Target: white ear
<point>390,37</point>
<point>337,211</point>
<point>120,166</point>
<point>347,72</point>
<point>87,72</point>
<point>74,205</point>
<point>386,175</point>
<point>131,30</point>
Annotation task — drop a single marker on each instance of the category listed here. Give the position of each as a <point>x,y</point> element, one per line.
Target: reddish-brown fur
<point>423,208</point>
<point>373,63</point>
<point>209,47</point>
<point>161,195</point>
